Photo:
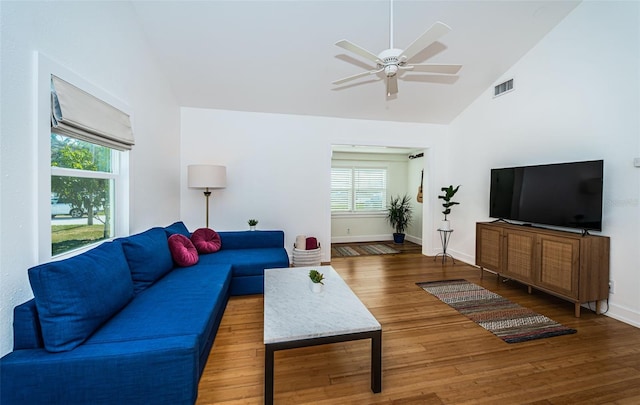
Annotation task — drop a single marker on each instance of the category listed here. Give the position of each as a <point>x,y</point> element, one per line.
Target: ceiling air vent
<point>502,88</point>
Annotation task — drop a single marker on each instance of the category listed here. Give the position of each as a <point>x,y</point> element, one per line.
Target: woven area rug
<point>362,250</point>
<point>505,319</point>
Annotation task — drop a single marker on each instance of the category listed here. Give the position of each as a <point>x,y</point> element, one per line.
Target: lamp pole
<point>207,193</point>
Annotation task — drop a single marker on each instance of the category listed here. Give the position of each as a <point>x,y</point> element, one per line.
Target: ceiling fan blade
<point>436,68</point>
<point>356,76</point>
<point>427,38</point>
<point>392,85</point>
<point>350,46</point>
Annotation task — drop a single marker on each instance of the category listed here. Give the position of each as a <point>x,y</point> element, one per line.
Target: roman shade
<point>80,115</point>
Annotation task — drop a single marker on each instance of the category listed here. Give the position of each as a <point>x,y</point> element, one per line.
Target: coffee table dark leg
<point>376,357</point>
<point>376,362</point>
<point>268,375</point>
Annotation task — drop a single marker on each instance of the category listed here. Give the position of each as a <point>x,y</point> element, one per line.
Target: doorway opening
<point>359,204</point>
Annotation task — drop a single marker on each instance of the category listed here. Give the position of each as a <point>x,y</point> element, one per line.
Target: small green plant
<point>449,192</point>
<point>252,222</point>
<point>316,276</point>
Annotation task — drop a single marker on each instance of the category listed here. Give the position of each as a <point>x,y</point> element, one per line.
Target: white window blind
<point>358,189</point>
<point>370,186</point>
<point>341,189</point>
<point>78,114</point>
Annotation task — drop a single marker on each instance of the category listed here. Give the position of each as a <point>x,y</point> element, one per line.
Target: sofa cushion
<point>251,239</point>
<point>183,252</point>
<point>160,371</point>
<point>177,227</point>
<point>77,295</point>
<point>148,256</point>
<point>206,240</point>
<point>185,301</point>
<point>249,262</point>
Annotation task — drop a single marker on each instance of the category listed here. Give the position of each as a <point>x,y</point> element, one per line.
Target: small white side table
<point>445,236</point>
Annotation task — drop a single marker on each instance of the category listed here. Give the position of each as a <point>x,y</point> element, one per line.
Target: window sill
<point>359,215</point>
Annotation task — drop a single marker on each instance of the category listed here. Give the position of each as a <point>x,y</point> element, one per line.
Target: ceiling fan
<point>392,61</point>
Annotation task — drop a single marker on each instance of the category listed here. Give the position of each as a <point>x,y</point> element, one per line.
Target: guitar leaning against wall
<point>419,197</point>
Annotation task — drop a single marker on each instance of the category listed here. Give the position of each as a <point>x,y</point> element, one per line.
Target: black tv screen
<point>562,194</point>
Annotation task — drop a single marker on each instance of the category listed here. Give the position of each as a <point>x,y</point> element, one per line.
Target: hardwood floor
<point>431,353</point>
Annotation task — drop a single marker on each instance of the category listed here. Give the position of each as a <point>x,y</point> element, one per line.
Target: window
<point>84,135</point>
<point>83,175</point>
<point>358,189</point>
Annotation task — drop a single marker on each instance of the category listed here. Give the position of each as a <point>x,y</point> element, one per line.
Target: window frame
<point>370,213</point>
<point>46,67</point>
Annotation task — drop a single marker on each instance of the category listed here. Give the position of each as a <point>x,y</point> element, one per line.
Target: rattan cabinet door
<point>520,253</point>
<point>559,264</point>
<point>489,247</point>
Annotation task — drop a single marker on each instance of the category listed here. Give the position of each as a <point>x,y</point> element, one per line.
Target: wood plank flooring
<point>431,353</point>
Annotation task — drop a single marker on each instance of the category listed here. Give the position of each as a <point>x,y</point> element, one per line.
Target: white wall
<point>414,170</point>
<point>576,98</point>
<point>102,43</point>
<point>278,167</point>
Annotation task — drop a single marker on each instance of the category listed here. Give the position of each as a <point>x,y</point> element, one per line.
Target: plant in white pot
<point>449,192</point>
<point>399,212</point>
<point>252,224</point>
<point>316,280</point>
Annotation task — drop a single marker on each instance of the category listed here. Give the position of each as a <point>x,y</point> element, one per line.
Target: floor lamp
<point>207,177</point>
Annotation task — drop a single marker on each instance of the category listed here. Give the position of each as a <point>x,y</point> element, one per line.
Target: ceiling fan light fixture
<point>391,70</point>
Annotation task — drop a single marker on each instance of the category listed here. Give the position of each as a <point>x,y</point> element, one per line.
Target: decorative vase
<point>445,225</point>
<point>316,287</point>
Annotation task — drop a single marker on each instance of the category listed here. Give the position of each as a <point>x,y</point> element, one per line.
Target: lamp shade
<point>207,176</point>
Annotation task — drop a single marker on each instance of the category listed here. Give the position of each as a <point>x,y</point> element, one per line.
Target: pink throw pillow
<point>206,240</point>
<point>182,250</point>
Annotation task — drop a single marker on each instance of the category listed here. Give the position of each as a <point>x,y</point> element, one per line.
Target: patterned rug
<point>505,319</point>
<point>362,250</point>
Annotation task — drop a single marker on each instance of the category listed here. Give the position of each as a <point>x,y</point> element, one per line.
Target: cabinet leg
<point>598,307</point>
<point>529,289</point>
<point>577,310</point>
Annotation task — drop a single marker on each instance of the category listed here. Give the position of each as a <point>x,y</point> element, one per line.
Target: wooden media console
<point>568,265</point>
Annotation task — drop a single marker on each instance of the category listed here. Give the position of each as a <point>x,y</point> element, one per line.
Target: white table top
<point>293,312</point>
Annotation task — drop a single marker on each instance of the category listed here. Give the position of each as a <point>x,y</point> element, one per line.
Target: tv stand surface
<point>568,265</point>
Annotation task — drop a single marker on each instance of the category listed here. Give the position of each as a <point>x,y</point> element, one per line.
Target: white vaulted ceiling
<point>280,57</point>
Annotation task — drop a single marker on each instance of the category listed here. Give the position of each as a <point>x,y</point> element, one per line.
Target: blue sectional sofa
<point>121,324</point>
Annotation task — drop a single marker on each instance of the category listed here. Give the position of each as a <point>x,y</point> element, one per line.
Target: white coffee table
<point>294,316</point>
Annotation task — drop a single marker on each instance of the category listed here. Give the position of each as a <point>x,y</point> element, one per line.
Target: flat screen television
<point>562,194</point>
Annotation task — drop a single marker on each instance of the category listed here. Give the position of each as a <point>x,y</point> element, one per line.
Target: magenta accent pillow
<point>206,240</point>
<point>182,250</point>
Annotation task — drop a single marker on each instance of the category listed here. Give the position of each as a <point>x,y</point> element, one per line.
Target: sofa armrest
<point>154,371</point>
<point>26,327</point>
<point>251,239</point>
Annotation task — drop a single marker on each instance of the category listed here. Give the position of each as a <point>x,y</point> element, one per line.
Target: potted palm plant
<point>399,213</point>
<point>448,193</point>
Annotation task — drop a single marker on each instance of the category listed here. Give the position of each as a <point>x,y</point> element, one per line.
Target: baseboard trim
<point>372,238</point>
<point>361,238</point>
